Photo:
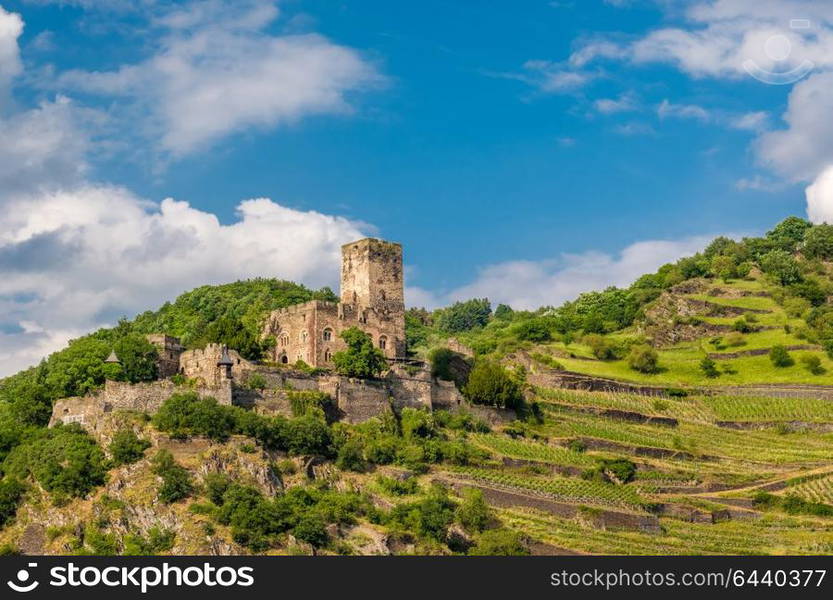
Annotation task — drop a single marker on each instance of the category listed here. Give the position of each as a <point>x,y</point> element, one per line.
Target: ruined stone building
<point>372,299</point>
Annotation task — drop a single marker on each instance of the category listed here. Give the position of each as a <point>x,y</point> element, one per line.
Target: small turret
<point>112,359</point>
<point>225,363</point>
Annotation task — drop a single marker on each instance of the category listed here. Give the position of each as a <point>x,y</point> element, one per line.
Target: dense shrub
<point>780,357</point>
<point>643,358</point>
<point>11,493</point>
<point>491,384</point>
<point>126,447</point>
<point>185,414</point>
<point>176,481</point>
<point>709,367</point>
<point>533,330</point>
<point>781,266</point>
<point>429,517</point>
<point>602,347</point>
<point>64,460</point>
<point>812,363</point>
<point>499,542</point>
<point>473,513</point>
<point>361,359</point>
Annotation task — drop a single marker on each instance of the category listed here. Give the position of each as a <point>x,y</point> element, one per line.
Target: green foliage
<point>818,242</point>
<point>126,447</point>
<point>503,312</point>
<point>463,316</point>
<point>473,513</point>
<point>499,542</point>
<point>64,460</point>
<point>643,358</point>
<point>789,233</point>
<point>417,328</point>
<point>186,413</point>
<point>429,517</point>
<point>533,330</point>
<point>176,481</point>
<point>350,456</point>
<point>398,487</point>
<point>450,366</point>
<point>491,384</point>
<point>709,368</point>
<point>256,381</point>
<point>780,357</point>
<point>602,347</point>
<point>781,266</point>
<point>812,363</point>
<point>157,541</point>
<point>11,494</point>
<point>361,359</point>
<point>303,401</point>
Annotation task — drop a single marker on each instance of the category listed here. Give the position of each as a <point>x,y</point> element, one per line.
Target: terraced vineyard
<point>699,478</point>
<point>568,489</point>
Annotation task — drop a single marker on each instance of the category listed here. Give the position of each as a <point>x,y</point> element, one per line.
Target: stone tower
<point>371,276</point>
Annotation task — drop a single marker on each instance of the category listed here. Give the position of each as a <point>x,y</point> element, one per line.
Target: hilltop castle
<point>372,299</point>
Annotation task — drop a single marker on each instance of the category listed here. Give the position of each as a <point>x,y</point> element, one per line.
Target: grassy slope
<point>680,364</point>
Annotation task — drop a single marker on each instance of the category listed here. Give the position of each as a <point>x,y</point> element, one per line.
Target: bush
<point>812,363</point>
<point>709,368</point>
<point>308,435</point>
<point>601,347</point>
<point>491,384</point>
<point>429,517</point>
<point>350,456</point>
<point>361,359</point>
<point>734,339</point>
<point>126,447</point>
<point>398,487</point>
<point>473,513</point>
<point>11,493</point>
<point>256,382</point>
<point>781,266</point>
<point>643,358</point>
<point>780,357</point>
<point>176,481</point>
<point>499,542</point>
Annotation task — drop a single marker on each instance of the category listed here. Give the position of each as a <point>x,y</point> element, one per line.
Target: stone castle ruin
<point>372,299</point>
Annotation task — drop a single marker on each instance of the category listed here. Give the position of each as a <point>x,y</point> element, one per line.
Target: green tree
<point>533,330</point>
<point>781,266</point>
<point>361,359</point>
<point>789,233</point>
<point>11,494</point>
<point>463,316</point>
<point>818,242</point>
<point>187,414</point>
<point>491,384</point>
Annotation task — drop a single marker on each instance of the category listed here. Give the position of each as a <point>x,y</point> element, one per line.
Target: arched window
<point>383,342</point>
<point>303,337</point>
<point>328,334</point>
<point>284,359</point>
<point>327,355</point>
<point>284,339</point>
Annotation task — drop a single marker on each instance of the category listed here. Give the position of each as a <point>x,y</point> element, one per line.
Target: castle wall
<point>201,364</point>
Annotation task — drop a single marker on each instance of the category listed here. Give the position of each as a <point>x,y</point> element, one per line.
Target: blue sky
<point>522,151</point>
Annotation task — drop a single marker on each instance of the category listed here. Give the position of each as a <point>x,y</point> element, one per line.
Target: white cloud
<point>525,284</point>
<point>217,72</point>
<point>752,121</point>
<point>11,26</point>
<point>820,198</point>
<point>624,103</point>
<point>553,78</point>
<point>74,260</point>
<point>682,111</point>
<point>634,128</point>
